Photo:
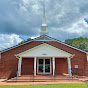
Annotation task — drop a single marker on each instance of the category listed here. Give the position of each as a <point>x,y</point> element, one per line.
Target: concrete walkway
<point>39,83</point>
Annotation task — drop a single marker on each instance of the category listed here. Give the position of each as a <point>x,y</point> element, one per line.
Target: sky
<point>22,19</point>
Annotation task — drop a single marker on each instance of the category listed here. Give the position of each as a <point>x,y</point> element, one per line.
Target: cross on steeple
<point>44,30</point>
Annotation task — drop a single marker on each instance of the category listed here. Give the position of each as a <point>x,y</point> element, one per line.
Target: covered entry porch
<point>44,59</point>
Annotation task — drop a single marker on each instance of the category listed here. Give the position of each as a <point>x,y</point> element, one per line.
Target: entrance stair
<point>41,78</point>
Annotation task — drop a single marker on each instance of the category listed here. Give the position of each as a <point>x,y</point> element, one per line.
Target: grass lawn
<point>49,86</point>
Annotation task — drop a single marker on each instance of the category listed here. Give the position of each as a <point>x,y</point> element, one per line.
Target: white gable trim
<point>44,36</point>
<point>44,40</point>
<point>44,50</point>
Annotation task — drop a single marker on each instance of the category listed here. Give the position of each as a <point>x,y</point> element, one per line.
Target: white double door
<point>44,66</point>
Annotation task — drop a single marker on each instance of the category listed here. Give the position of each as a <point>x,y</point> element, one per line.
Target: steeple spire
<point>44,30</point>
<point>44,18</point>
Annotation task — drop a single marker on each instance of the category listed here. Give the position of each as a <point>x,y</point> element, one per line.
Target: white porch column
<point>53,66</point>
<point>19,66</point>
<point>69,66</point>
<point>34,66</point>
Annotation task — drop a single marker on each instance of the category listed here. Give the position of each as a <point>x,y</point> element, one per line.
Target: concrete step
<point>48,79</point>
<point>41,79</point>
<point>44,81</point>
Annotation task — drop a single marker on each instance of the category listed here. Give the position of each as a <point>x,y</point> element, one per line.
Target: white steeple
<point>44,30</point>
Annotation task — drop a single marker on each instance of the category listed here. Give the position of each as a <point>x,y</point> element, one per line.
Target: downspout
<point>87,57</point>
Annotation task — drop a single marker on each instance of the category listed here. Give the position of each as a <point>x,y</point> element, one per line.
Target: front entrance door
<point>44,66</point>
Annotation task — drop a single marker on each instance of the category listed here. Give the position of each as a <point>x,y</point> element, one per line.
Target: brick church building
<point>43,55</point>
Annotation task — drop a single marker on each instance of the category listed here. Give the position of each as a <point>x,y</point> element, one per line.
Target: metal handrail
<point>33,76</point>
<point>54,73</point>
<point>54,76</point>
<point>72,72</point>
<point>17,75</point>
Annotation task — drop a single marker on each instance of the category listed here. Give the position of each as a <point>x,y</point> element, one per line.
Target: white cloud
<point>7,41</point>
<point>79,27</point>
<point>34,37</point>
<point>85,23</point>
<point>24,17</point>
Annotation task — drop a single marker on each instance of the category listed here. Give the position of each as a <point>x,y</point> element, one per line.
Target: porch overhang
<point>44,50</point>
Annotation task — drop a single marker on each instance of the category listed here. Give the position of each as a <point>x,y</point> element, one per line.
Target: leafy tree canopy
<point>81,43</point>
<point>24,41</point>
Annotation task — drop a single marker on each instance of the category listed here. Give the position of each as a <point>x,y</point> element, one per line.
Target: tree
<point>81,43</point>
<point>24,41</point>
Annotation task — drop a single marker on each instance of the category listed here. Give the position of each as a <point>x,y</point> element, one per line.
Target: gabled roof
<point>44,49</point>
<point>43,38</point>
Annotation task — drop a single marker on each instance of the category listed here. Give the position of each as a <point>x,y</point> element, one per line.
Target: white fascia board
<point>44,40</point>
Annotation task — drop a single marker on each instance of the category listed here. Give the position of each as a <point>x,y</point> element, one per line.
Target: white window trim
<point>44,66</point>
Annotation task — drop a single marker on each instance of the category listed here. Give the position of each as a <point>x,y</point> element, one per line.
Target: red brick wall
<point>79,59</point>
<point>10,62</point>
<point>61,66</point>
<point>27,66</point>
